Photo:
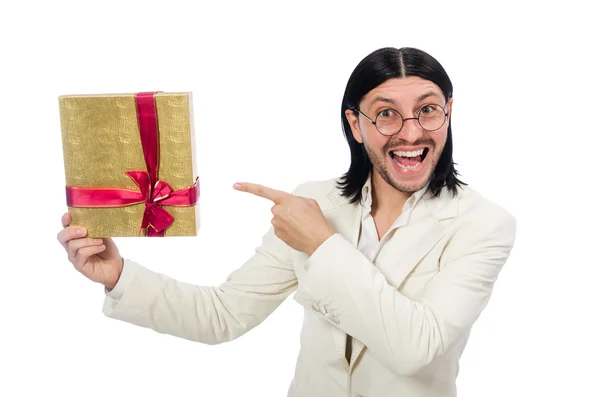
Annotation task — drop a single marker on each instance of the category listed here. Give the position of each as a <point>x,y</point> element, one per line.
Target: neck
<point>387,200</point>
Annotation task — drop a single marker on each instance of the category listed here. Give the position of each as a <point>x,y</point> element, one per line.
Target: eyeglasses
<point>389,122</point>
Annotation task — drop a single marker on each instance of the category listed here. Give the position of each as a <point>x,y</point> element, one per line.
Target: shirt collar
<point>410,204</point>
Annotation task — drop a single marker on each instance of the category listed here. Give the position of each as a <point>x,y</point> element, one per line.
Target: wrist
<point>112,282</point>
<point>319,241</point>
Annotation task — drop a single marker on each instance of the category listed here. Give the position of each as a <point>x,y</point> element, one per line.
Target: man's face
<point>406,160</point>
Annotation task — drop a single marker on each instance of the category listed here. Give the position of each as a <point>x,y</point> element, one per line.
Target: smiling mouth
<point>409,160</point>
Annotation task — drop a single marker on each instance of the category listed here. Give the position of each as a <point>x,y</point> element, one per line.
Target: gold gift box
<point>101,141</point>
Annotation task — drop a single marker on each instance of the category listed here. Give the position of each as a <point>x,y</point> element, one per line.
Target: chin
<point>413,177</point>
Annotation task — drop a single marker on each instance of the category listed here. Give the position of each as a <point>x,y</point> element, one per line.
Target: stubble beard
<point>379,166</point>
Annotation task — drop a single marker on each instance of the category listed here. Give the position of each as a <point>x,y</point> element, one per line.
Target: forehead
<point>405,90</point>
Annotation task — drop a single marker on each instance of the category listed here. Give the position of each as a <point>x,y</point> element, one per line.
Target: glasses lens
<point>432,117</point>
<point>388,122</point>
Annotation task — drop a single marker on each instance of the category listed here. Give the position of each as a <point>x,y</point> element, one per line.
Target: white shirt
<point>369,243</point>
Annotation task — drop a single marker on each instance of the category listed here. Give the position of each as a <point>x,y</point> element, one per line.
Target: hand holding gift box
<point>129,164</point>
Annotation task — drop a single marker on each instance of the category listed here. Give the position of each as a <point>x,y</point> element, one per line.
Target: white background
<point>267,80</point>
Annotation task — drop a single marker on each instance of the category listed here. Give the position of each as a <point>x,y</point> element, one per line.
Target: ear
<point>354,126</point>
<point>450,101</point>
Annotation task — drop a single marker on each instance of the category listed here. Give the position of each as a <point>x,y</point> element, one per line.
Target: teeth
<point>409,154</point>
<point>407,167</point>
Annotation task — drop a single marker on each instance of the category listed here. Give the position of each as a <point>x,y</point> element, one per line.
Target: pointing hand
<point>298,221</point>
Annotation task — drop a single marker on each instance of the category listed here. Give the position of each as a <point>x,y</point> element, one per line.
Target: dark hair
<point>378,67</point>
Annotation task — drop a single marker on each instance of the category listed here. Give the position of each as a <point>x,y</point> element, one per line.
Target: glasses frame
<point>403,119</point>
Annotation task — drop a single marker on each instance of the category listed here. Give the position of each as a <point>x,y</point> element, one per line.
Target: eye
<point>387,113</point>
<point>427,109</point>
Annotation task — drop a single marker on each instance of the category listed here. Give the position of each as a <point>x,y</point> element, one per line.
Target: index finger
<point>262,191</point>
<point>70,233</point>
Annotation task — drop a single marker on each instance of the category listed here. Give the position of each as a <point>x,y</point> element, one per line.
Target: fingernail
<point>80,232</point>
<point>97,241</point>
<point>237,186</point>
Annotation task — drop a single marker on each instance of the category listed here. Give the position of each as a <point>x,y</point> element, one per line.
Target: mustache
<point>425,142</point>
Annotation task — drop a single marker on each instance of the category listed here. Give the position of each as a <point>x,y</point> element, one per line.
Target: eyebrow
<point>382,99</point>
<point>419,99</point>
<point>427,95</point>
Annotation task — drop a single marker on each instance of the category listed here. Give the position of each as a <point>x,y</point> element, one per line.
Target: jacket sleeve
<point>208,315</point>
<point>403,333</point>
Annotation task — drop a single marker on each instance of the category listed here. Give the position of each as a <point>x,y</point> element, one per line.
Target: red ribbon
<point>152,191</point>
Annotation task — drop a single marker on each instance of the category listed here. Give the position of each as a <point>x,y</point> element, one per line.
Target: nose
<point>411,130</point>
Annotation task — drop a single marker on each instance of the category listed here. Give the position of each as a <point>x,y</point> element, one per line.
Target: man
<point>393,262</point>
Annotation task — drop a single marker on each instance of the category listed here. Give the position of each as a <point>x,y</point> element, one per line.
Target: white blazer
<point>410,313</point>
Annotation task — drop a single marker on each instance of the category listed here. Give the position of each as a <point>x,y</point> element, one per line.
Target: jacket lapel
<point>410,244</point>
<point>345,219</point>
<point>407,247</point>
